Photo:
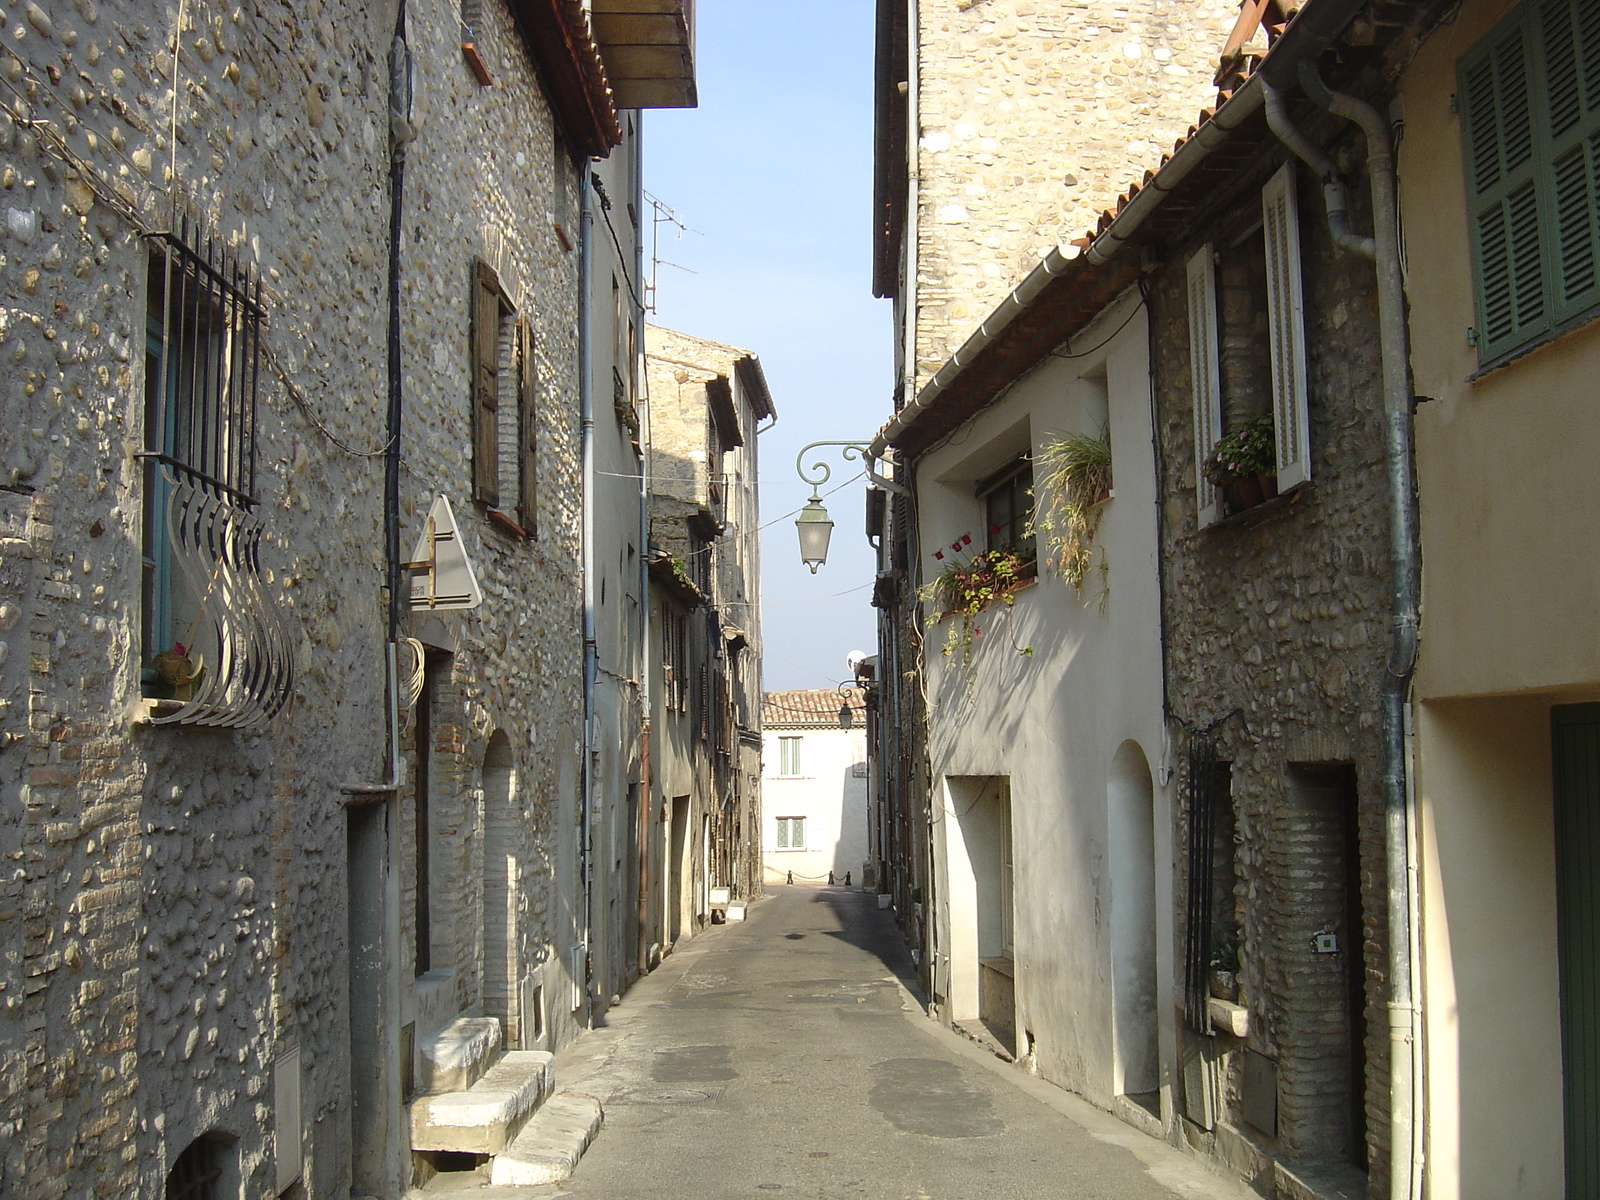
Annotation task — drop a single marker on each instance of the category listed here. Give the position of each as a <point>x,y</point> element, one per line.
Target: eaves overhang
<point>558,35</point>
<point>648,48</point>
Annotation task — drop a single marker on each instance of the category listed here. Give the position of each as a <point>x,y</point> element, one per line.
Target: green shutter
<point>1576,754</point>
<point>1530,95</point>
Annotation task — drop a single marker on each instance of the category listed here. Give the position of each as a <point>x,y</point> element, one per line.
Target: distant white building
<point>814,786</point>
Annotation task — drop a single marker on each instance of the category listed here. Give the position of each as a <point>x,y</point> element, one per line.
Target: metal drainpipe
<point>1405,572</point>
<point>590,651</point>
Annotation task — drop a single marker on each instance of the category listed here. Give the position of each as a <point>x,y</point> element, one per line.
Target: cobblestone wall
<point>172,911</point>
<point>1035,115</point>
<point>1281,613</point>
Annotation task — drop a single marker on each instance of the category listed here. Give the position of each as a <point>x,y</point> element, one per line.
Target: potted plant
<point>965,587</point>
<point>1074,480</point>
<point>1243,464</point>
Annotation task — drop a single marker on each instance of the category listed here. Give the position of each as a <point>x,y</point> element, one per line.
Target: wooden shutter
<point>1498,127</point>
<point>1286,323</point>
<point>485,386</point>
<point>1576,736</point>
<point>1570,32</point>
<point>527,430</point>
<point>1205,376</point>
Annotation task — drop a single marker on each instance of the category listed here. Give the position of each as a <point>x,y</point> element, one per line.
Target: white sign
<point>441,576</point>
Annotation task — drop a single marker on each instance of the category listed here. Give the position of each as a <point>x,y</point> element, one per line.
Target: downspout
<point>908,287</point>
<point>589,566</point>
<point>1405,571</point>
<point>642,375</point>
<point>401,132</point>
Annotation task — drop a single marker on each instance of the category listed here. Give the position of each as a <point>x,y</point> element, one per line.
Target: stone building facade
<point>1016,123</point>
<point>1276,621</point>
<point>707,403</point>
<point>252,828</point>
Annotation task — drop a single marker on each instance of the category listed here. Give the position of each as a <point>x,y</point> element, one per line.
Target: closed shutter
<point>1571,34</point>
<point>485,386</point>
<point>528,439</point>
<point>1531,141</point>
<point>1205,376</point>
<point>1280,227</point>
<point>1576,735</point>
<point>1498,127</point>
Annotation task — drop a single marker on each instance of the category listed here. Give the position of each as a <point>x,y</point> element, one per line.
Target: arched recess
<point>208,1169</point>
<point>502,842</point>
<point>1130,824</point>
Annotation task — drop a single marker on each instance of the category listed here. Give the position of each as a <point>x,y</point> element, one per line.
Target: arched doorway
<point>502,841</point>
<point>1130,824</point>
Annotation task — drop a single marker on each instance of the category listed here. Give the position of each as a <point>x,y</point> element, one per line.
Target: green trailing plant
<point>964,588</point>
<point>1249,450</point>
<point>1072,476</point>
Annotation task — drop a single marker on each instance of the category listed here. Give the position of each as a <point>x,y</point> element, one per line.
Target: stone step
<point>550,1144</point>
<point>488,1115</point>
<point>456,1057</point>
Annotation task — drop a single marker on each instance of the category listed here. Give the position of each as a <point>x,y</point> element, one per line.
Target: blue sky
<point>774,173</point>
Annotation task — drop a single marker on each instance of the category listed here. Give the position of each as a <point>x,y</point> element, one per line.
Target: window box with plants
<point>1243,465</point>
<point>966,587</point>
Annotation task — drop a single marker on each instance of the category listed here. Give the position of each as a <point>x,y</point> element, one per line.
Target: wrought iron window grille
<point>214,649</point>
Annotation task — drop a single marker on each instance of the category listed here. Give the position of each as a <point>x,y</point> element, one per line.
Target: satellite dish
<point>854,659</point>
<point>442,576</point>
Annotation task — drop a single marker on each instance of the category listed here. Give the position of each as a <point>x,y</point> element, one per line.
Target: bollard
<point>791,878</point>
<point>830,878</point>
<point>847,879</point>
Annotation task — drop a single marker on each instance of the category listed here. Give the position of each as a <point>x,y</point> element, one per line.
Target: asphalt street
<point>785,1057</point>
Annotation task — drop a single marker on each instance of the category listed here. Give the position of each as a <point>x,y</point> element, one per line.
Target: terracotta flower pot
<point>1269,484</point>
<point>1242,493</point>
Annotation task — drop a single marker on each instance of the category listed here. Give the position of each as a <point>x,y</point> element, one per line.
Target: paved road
<point>783,1057</point>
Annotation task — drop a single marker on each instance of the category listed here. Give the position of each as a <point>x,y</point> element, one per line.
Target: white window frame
<point>1291,416</point>
<point>785,833</point>
<point>789,755</point>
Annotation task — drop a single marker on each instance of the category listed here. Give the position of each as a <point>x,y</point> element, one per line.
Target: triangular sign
<point>441,576</point>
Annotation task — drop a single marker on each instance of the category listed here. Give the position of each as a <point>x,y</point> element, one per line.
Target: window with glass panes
<point>791,832</point>
<point>1007,497</point>
<point>788,756</point>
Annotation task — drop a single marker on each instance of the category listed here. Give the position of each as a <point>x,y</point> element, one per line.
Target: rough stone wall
<point>1281,613</point>
<point>679,367</point>
<point>172,910</point>
<point>1035,115</point>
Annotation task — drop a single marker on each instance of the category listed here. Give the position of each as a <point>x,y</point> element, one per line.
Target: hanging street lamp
<point>815,527</point>
<point>813,524</point>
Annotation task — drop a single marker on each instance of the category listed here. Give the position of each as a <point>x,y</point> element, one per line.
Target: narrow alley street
<point>784,1057</point>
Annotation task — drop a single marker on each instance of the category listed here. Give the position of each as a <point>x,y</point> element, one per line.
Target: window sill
<point>1506,357</point>
<point>1279,505</point>
<point>150,708</point>
<point>505,524</point>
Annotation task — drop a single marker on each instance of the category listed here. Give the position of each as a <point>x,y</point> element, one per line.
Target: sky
<point>773,174</point>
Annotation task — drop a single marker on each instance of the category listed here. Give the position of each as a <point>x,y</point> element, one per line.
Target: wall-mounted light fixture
<point>813,524</point>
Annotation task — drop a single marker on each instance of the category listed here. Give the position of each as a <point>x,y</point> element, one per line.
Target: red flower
<point>966,539</point>
<point>939,554</point>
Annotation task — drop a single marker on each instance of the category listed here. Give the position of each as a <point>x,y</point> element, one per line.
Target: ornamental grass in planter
<point>1073,479</point>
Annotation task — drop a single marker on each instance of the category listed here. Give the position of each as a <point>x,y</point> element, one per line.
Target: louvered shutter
<point>1570,33</point>
<point>1498,127</point>
<point>1280,227</point>
<point>1205,376</point>
<point>527,428</point>
<point>485,386</point>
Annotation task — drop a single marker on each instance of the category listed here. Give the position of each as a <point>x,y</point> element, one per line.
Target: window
<point>1530,101</point>
<point>210,641</point>
<point>791,830</point>
<point>1007,497</point>
<point>1247,353</point>
<point>504,441</point>
<point>206,1170</point>
<point>788,756</point>
<point>675,656</point>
